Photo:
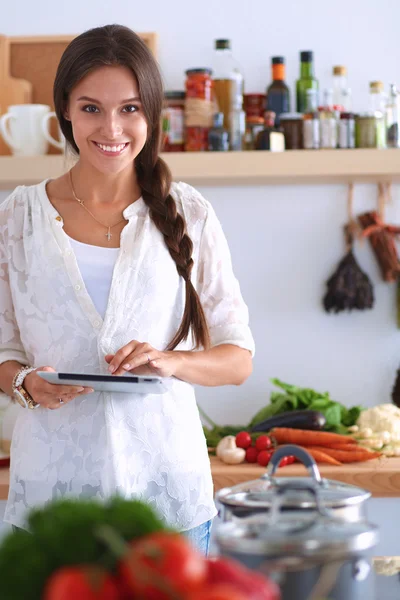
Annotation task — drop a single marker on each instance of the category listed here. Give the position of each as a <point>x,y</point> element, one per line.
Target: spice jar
<point>199,109</point>
<point>253,127</point>
<point>370,130</point>
<point>254,105</point>
<point>292,126</point>
<point>347,130</point>
<point>173,121</point>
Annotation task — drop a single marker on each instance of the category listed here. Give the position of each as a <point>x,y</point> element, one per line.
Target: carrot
<point>345,447</point>
<point>306,437</point>
<point>346,456</point>
<point>321,457</point>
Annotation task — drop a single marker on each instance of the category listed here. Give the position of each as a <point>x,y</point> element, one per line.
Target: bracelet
<point>19,392</point>
<point>20,376</point>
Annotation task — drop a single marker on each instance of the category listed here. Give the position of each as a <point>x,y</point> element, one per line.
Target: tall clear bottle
<point>377,108</point>
<point>340,90</point>
<point>393,118</point>
<point>237,123</point>
<point>228,80</point>
<point>307,80</point>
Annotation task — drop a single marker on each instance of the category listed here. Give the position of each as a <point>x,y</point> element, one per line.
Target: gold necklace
<point>108,227</point>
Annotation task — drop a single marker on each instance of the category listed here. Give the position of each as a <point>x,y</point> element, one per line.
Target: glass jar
<point>199,109</point>
<point>370,130</point>
<point>173,121</point>
<point>347,130</point>
<point>292,126</point>
<point>254,105</point>
<point>253,126</point>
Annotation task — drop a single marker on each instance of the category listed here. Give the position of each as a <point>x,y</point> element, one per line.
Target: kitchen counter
<point>380,476</point>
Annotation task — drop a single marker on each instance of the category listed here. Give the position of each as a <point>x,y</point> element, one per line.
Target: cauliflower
<point>383,420</point>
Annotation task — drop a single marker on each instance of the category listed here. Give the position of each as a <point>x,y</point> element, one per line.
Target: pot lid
<point>258,494</point>
<point>316,537</point>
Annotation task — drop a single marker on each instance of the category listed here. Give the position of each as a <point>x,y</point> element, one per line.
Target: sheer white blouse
<point>151,447</point>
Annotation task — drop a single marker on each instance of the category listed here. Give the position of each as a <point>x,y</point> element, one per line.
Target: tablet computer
<point>127,384</point>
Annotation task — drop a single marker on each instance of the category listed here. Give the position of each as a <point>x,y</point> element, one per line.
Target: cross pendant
<point>109,235</point>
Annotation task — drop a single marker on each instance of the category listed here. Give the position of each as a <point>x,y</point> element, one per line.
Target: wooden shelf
<point>235,168</point>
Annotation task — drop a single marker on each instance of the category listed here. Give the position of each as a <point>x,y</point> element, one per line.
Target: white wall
<point>285,241</point>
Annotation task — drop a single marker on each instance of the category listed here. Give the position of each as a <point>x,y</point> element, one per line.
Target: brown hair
<point>117,45</point>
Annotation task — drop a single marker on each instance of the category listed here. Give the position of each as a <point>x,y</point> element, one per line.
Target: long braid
<point>155,186</point>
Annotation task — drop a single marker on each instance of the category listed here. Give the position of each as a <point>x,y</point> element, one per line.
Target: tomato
<point>264,457</point>
<point>243,440</point>
<point>251,454</point>
<point>88,582</point>
<point>284,461</point>
<point>263,442</point>
<point>223,570</point>
<point>290,460</point>
<point>218,592</point>
<point>163,565</point>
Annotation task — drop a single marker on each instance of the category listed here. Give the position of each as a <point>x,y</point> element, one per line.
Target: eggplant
<point>296,419</point>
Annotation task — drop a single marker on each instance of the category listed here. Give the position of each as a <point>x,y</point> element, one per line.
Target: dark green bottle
<point>307,80</point>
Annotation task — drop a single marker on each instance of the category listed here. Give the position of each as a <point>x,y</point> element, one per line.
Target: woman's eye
<point>90,108</point>
<point>130,108</point>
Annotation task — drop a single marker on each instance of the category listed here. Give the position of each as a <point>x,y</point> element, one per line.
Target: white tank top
<point>96,265</point>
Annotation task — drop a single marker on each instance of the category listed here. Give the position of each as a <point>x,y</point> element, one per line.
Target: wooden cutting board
<point>12,90</point>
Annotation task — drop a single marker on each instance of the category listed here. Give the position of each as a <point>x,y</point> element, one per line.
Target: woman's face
<point>107,119</point>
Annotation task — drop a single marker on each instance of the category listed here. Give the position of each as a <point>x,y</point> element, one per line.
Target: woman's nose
<point>111,127</point>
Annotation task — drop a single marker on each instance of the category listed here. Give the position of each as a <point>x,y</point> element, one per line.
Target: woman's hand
<point>48,394</point>
<point>143,359</point>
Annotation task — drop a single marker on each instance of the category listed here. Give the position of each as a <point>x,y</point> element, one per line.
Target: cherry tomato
<point>163,565</point>
<point>264,457</point>
<point>251,454</point>
<point>86,582</point>
<point>220,591</point>
<point>243,440</point>
<point>290,460</point>
<point>284,461</point>
<point>263,442</point>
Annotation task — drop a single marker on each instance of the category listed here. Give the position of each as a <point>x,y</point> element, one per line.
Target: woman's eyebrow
<point>88,99</point>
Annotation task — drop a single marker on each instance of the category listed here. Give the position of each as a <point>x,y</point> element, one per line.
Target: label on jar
<point>329,133</point>
<point>174,125</point>
<point>311,134</point>
<point>347,133</point>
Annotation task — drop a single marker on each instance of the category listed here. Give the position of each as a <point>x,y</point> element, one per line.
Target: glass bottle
<point>269,138</point>
<point>278,93</point>
<point>237,120</point>
<point>228,80</point>
<point>393,118</point>
<point>218,137</point>
<point>328,122</point>
<point>340,89</point>
<point>377,107</point>
<point>307,80</point>
<point>311,134</point>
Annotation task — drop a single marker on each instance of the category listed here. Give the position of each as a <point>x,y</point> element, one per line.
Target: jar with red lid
<point>173,120</point>
<point>199,109</point>
<point>254,105</point>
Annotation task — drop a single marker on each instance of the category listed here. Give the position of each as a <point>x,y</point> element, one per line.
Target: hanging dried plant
<point>349,288</point>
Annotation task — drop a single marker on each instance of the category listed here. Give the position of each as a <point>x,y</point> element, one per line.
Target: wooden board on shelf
<point>35,59</point>
<point>12,89</point>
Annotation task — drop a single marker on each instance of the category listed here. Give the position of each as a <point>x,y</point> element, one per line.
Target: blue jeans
<point>200,537</point>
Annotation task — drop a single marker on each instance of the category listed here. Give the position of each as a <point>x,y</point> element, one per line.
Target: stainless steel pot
<point>311,555</point>
<point>347,502</point>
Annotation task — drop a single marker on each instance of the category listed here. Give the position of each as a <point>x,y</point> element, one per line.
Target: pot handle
<point>295,485</point>
<point>302,455</point>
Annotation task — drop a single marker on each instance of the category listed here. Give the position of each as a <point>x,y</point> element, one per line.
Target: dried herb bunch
<point>349,288</point>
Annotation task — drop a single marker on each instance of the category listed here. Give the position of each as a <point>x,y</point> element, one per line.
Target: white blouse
<point>151,447</point>
<point>96,265</point>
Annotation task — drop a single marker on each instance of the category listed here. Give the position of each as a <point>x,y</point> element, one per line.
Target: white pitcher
<point>60,143</point>
<point>22,129</point>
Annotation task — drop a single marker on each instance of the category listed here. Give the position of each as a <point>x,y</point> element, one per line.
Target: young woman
<point>108,269</point>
